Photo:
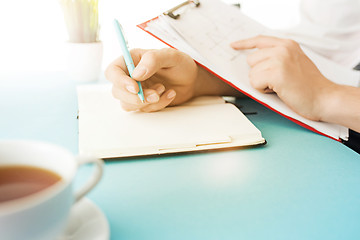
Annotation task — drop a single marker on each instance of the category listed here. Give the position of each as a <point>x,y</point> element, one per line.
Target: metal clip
<point>170,12</point>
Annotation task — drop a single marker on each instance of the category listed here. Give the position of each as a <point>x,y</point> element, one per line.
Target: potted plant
<point>84,49</point>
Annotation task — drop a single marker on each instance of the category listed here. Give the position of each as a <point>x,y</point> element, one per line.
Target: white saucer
<point>86,222</point>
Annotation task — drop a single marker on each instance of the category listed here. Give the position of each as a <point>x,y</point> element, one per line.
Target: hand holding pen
<point>167,76</point>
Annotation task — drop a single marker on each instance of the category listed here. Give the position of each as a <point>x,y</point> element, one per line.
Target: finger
<point>259,56</point>
<point>159,88</point>
<point>132,102</point>
<point>115,70</point>
<point>118,74</point>
<point>164,101</point>
<point>127,98</point>
<point>258,42</point>
<point>151,96</point>
<point>154,60</point>
<point>260,76</point>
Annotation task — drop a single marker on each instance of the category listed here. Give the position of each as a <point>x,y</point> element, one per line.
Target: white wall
<point>32,33</point>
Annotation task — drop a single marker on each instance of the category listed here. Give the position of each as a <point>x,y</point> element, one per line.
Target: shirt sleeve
<point>330,28</point>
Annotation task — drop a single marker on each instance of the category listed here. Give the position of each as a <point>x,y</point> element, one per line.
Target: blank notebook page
<point>108,131</point>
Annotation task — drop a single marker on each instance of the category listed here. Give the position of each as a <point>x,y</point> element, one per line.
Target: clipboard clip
<point>171,11</point>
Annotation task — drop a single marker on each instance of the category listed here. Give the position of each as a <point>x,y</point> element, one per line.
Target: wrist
<point>342,107</point>
<point>203,83</point>
<point>330,100</point>
<point>209,84</point>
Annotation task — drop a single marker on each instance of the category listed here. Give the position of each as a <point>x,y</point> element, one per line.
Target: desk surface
<point>299,186</point>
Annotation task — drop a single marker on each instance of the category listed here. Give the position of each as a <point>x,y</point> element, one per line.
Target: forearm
<point>209,84</point>
<point>342,106</point>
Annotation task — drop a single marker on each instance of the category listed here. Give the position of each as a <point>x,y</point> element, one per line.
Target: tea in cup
<point>36,188</point>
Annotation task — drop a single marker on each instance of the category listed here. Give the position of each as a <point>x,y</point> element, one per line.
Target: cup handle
<point>95,178</point>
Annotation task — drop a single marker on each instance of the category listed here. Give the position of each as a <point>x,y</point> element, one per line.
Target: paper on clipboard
<point>205,33</point>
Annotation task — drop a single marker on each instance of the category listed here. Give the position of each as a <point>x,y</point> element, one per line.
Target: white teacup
<point>42,215</point>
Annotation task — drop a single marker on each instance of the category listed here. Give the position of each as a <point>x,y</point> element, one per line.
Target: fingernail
<point>171,94</point>
<point>152,98</point>
<point>131,88</point>
<point>160,89</point>
<point>233,44</point>
<point>139,72</point>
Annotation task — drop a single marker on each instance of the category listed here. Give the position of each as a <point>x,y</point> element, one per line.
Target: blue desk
<point>299,186</point>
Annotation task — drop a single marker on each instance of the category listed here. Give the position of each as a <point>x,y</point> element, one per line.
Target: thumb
<point>152,61</point>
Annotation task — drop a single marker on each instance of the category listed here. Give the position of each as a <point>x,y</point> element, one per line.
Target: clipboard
<point>186,26</point>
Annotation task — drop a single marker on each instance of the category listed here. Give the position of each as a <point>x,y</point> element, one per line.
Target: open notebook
<point>205,33</point>
<point>107,131</point>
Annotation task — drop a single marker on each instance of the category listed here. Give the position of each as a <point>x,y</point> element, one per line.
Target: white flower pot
<point>84,61</point>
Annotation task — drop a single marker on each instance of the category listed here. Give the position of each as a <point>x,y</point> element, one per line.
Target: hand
<point>167,76</point>
<point>279,65</point>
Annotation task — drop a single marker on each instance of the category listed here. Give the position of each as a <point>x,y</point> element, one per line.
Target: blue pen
<point>127,56</point>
